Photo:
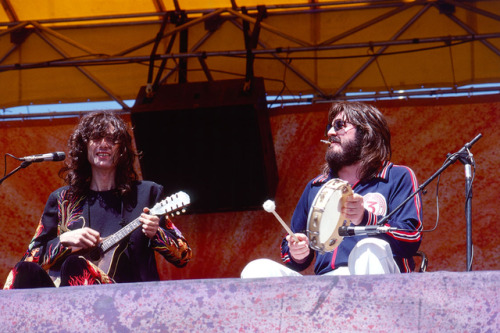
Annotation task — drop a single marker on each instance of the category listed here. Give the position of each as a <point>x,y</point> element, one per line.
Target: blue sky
<point>274,101</point>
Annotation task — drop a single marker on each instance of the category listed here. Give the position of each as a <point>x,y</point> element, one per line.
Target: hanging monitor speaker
<point>210,139</point>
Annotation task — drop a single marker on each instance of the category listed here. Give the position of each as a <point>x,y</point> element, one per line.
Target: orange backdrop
<point>224,242</point>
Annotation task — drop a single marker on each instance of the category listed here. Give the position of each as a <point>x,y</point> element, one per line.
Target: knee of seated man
<point>376,246</point>
<point>255,268</point>
<point>372,256</point>
<point>264,268</point>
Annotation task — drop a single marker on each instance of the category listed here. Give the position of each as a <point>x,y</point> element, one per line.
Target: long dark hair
<point>375,135</point>
<point>77,171</point>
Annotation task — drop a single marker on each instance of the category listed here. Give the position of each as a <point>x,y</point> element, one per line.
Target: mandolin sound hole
<point>96,254</point>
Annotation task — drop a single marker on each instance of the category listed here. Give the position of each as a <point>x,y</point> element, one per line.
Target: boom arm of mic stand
<point>22,166</point>
<point>450,161</point>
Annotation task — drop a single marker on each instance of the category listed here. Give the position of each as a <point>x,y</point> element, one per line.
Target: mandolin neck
<point>118,236</point>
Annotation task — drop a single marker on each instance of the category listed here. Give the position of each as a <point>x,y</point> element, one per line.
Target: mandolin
<point>106,254</point>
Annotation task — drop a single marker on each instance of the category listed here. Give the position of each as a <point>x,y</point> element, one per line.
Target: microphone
<point>368,230</point>
<point>56,157</point>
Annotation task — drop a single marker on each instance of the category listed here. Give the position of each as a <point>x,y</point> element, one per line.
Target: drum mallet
<point>270,206</point>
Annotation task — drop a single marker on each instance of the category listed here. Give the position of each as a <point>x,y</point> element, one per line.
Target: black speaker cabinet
<point>211,140</point>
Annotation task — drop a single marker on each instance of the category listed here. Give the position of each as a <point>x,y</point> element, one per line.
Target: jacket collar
<point>382,174</point>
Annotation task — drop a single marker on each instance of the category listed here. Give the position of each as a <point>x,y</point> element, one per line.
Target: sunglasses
<point>112,138</point>
<point>338,124</point>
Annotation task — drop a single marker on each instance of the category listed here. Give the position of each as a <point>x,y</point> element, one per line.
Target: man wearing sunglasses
<point>358,153</point>
<point>103,201</point>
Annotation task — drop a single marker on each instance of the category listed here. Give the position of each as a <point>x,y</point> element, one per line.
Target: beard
<point>350,154</point>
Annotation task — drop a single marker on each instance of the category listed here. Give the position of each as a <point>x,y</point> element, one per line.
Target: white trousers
<point>369,256</point>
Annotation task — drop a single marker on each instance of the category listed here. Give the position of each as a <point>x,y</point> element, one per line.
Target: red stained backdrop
<point>422,133</point>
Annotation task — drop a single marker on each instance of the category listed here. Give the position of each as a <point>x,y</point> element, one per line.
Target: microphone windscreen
<point>59,156</point>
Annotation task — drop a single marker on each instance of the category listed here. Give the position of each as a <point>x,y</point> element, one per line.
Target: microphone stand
<point>465,157</point>
<point>467,160</point>
<point>23,165</point>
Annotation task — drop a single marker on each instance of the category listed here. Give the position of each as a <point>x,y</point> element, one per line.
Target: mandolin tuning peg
<point>183,210</point>
<point>177,213</point>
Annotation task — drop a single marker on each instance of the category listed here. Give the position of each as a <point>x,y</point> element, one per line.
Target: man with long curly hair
<point>358,155</point>
<point>102,195</point>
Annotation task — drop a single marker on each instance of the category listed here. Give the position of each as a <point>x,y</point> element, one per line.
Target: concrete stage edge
<point>417,302</point>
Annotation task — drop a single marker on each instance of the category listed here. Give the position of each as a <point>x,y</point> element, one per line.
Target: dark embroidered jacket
<point>107,213</point>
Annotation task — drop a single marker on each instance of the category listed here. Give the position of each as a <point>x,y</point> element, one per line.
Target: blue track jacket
<point>381,194</point>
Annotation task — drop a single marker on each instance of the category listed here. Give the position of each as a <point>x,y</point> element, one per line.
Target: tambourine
<point>325,216</point>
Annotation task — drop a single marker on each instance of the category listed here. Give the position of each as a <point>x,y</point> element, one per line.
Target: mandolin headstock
<point>173,204</point>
